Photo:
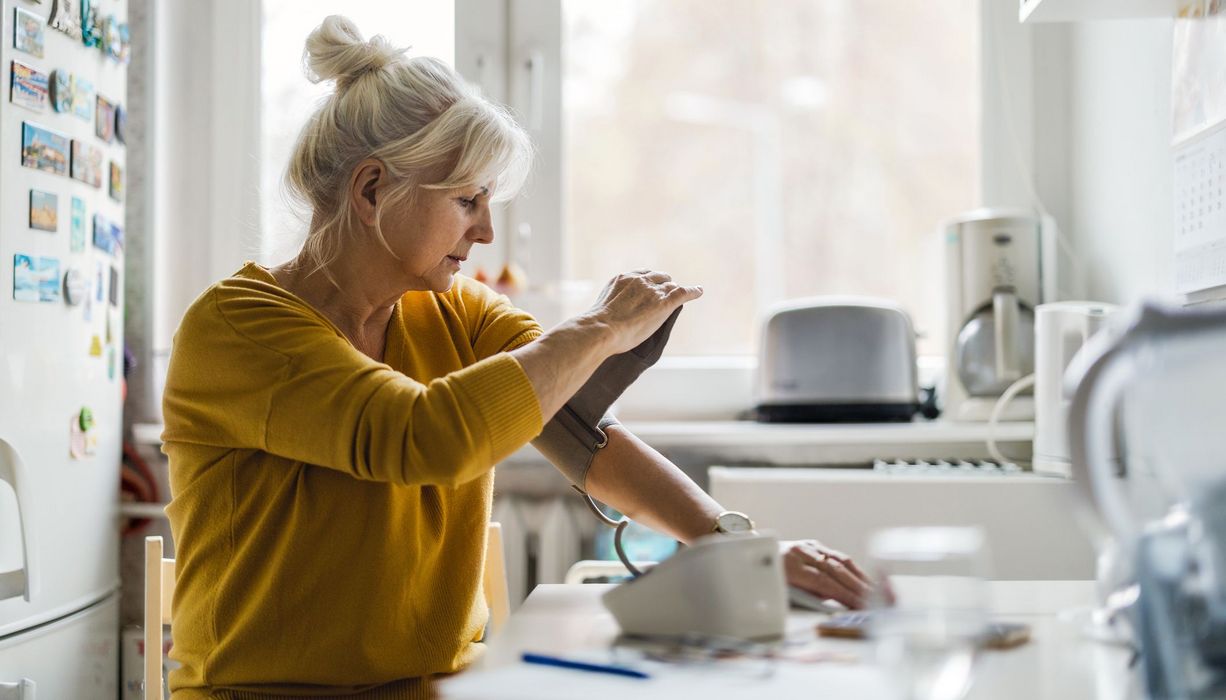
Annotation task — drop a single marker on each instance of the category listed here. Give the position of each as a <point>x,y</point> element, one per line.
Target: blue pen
<point>581,665</point>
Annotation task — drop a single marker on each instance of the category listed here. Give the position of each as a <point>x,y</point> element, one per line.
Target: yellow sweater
<point>329,511</point>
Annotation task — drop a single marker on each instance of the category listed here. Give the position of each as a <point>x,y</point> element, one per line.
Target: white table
<point>569,620</point>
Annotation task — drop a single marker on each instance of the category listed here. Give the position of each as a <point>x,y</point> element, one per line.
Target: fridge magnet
<point>77,239</point>
<point>43,149</point>
<point>95,346</point>
<point>27,32</point>
<point>25,279</point>
<point>116,182</point>
<point>104,120</point>
<point>82,438</point>
<point>117,235</point>
<point>110,337</point>
<point>90,29</point>
<point>44,211</point>
<point>112,39</point>
<point>66,17</point>
<point>29,87</point>
<point>61,91</point>
<point>75,288</point>
<point>121,123</point>
<point>76,439</point>
<point>99,282</point>
<point>110,362</point>
<point>86,163</point>
<point>48,272</point>
<point>103,240</point>
<point>125,44</point>
<point>114,293</point>
<point>82,97</point>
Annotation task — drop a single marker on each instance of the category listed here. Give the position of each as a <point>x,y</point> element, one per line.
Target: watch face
<point>732,521</point>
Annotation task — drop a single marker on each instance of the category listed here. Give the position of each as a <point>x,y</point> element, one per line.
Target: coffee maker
<point>993,283</point>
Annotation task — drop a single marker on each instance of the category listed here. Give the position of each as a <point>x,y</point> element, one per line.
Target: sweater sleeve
<point>494,323</point>
<point>332,406</point>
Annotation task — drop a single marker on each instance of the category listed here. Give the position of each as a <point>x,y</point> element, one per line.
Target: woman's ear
<point>364,189</point>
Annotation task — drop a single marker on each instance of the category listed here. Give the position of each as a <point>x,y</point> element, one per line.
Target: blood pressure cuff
<point>572,437</point>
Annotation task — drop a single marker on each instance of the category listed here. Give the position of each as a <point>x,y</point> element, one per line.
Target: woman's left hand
<point>826,572</point>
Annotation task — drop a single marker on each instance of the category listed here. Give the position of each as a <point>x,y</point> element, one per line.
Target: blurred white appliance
<point>1149,460</point>
<point>1028,518</point>
<point>720,586</point>
<point>837,359</point>
<point>993,283</point>
<point>1061,328</point>
<point>61,303</point>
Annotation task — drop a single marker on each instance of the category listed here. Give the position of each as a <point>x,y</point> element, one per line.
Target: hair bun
<point>335,50</point>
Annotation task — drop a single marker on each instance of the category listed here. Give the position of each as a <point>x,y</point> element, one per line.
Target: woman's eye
<point>468,203</point>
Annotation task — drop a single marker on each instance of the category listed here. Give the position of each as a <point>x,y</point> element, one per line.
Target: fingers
<point>812,556</point>
<point>810,578</point>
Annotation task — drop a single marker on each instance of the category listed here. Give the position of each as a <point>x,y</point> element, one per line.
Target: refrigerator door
<point>75,657</point>
<point>61,321</point>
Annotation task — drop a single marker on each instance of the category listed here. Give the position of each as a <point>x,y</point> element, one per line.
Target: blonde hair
<point>417,116</point>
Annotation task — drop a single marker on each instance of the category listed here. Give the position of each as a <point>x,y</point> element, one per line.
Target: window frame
<point>497,42</point>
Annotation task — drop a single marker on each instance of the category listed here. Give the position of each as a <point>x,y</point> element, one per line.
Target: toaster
<point>837,359</point>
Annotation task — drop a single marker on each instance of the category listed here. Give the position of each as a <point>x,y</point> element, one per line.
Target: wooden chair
<point>160,590</point>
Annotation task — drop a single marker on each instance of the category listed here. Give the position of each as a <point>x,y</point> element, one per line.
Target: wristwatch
<point>732,522</point>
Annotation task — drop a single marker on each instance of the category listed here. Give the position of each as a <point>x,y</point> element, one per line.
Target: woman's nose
<point>483,230</point>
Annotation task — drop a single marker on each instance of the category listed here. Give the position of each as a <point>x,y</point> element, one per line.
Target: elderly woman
<point>332,423</point>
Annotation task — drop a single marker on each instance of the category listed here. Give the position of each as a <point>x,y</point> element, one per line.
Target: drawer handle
<point>18,582</point>
<point>21,690</point>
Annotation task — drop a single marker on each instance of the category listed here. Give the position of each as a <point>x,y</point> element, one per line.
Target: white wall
<point>1119,160</point>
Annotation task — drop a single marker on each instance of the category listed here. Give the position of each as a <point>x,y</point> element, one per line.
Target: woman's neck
<point>357,299</point>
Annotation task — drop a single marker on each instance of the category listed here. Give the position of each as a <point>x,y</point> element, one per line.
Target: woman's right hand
<point>634,304</point>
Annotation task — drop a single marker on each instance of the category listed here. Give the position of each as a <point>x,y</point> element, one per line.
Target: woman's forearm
<point>641,483</point>
<point>560,361</point>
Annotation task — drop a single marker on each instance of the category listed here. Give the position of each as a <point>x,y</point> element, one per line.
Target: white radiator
<point>542,537</point>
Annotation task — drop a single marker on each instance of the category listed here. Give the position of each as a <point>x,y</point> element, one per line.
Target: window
<point>287,98</point>
<point>768,150</point>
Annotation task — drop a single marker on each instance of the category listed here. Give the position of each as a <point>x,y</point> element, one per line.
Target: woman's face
<point>434,234</point>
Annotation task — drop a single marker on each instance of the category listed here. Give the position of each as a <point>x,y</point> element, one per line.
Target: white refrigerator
<point>62,174</point>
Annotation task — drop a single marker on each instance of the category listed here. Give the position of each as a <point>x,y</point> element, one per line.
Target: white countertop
<point>1058,662</point>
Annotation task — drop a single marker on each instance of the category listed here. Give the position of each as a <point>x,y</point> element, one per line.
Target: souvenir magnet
<point>82,97</point>
<point>43,149</point>
<point>116,189</point>
<point>112,41</point>
<point>100,283</point>
<point>28,87</point>
<point>95,346</point>
<point>25,278</point>
<point>48,271</point>
<point>90,29</point>
<point>125,43</point>
<point>66,17</point>
<point>86,163</point>
<point>121,123</point>
<point>75,288</point>
<point>110,336</point>
<point>104,120</point>
<point>44,211</point>
<point>114,292</point>
<point>76,439</point>
<point>110,362</point>
<point>61,90</point>
<point>77,240</point>
<point>27,32</point>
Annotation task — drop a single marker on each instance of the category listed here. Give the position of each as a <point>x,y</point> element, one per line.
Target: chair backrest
<point>494,579</point>
<point>160,590</point>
